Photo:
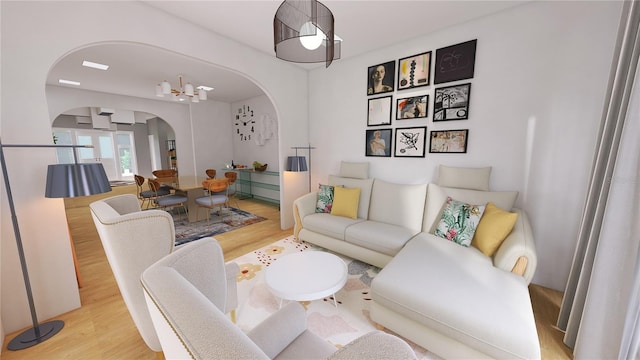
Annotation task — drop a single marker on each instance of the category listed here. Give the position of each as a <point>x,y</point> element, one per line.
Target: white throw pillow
<point>464,178</point>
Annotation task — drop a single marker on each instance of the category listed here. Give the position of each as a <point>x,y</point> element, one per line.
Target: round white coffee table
<point>306,276</point>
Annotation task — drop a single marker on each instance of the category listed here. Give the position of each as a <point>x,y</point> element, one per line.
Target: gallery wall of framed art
<point>406,134</point>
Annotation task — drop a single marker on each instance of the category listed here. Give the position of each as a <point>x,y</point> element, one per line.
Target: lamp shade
<point>298,20</point>
<point>71,180</point>
<point>296,163</point>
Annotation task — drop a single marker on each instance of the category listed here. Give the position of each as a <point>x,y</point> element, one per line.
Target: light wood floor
<point>102,328</point>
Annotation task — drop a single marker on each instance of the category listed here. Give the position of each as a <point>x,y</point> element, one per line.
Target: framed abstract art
<point>410,142</point>
<point>452,102</point>
<point>414,71</point>
<point>379,111</point>
<point>412,107</point>
<point>455,62</point>
<point>449,141</point>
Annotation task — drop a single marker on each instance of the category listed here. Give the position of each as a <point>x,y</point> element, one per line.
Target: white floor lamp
<point>63,180</point>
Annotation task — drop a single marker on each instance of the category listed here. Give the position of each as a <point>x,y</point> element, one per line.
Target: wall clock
<point>245,123</point>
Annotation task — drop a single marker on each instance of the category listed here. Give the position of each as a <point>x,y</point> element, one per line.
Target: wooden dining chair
<point>232,176</point>
<point>217,196</point>
<point>211,173</point>
<point>145,196</point>
<point>171,200</point>
<point>166,176</point>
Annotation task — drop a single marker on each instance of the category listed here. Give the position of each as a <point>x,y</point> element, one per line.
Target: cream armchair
<point>185,293</point>
<point>133,240</point>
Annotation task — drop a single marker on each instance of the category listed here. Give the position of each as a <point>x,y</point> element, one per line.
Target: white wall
<point>27,54</point>
<point>540,75</point>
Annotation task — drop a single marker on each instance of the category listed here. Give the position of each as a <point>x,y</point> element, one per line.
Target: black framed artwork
<point>379,111</point>
<point>452,102</point>
<point>381,78</point>
<point>378,142</point>
<point>414,71</point>
<point>410,142</point>
<point>455,62</point>
<point>413,107</point>
<point>449,141</point>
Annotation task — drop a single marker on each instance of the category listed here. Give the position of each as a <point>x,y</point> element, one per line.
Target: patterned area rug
<point>230,219</point>
<point>337,325</point>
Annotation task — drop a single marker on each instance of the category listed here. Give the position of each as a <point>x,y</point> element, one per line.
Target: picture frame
<point>379,111</point>
<point>452,102</point>
<point>381,78</point>
<point>378,142</point>
<point>449,141</point>
<point>455,62</point>
<point>414,71</point>
<point>410,142</point>
<point>413,107</point>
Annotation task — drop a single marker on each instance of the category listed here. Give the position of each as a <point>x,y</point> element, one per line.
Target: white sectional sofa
<point>453,300</point>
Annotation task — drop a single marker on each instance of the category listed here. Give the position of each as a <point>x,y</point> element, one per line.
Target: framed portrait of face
<point>413,71</point>
<point>378,143</point>
<point>381,78</point>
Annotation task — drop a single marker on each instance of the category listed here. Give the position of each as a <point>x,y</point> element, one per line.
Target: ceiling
<point>363,25</point>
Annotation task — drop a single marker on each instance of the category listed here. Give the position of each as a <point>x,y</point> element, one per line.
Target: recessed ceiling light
<point>95,65</point>
<point>205,88</point>
<point>69,82</point>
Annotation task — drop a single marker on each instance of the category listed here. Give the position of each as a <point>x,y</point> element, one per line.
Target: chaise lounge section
<point>456,301</point>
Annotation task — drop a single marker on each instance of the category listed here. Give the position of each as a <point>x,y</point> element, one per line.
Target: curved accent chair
<point>133,240</point>
<point>185,293</point>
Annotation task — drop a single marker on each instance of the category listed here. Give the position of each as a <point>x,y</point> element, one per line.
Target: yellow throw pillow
<point>345,202</point>
<point>495,225</point>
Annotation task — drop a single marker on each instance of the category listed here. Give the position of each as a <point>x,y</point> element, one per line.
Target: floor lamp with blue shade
<point>63,180</point>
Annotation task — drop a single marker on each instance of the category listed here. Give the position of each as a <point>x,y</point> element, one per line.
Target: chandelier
<point>303,32</point>
<point>183,92</point>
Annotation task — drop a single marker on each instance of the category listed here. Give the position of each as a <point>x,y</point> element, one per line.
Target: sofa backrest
<point>398,204</point>
<point>365,186</point>
<point>437,196</point>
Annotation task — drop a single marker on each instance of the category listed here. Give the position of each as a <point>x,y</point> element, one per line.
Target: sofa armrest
<point>376,344</point>
<point>303,206</point>
<point>518,251</point>
<point>280,329</point>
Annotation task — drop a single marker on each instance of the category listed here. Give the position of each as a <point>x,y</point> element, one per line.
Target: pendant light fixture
<point>183,91</point>
<point>303,32</point>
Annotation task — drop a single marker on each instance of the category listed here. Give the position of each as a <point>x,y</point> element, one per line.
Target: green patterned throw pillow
<point>459,221</point>
<point>325,199</point>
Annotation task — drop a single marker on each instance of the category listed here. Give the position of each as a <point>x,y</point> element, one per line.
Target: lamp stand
<point>39,332</point>
<point>307,148</point>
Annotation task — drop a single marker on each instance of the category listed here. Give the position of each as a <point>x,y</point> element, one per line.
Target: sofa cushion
<point>365,186</point>
<point>493,228</point>
<point>459,221</point>
<point>324,198</point>
<point>437,197</point>
<point>356,170</point>
<point>377,236</point>
<point>456,291</point>
<point>329,225</point>
<point>464,178</point>
<point>345,202</point>
<point>398,204</point>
